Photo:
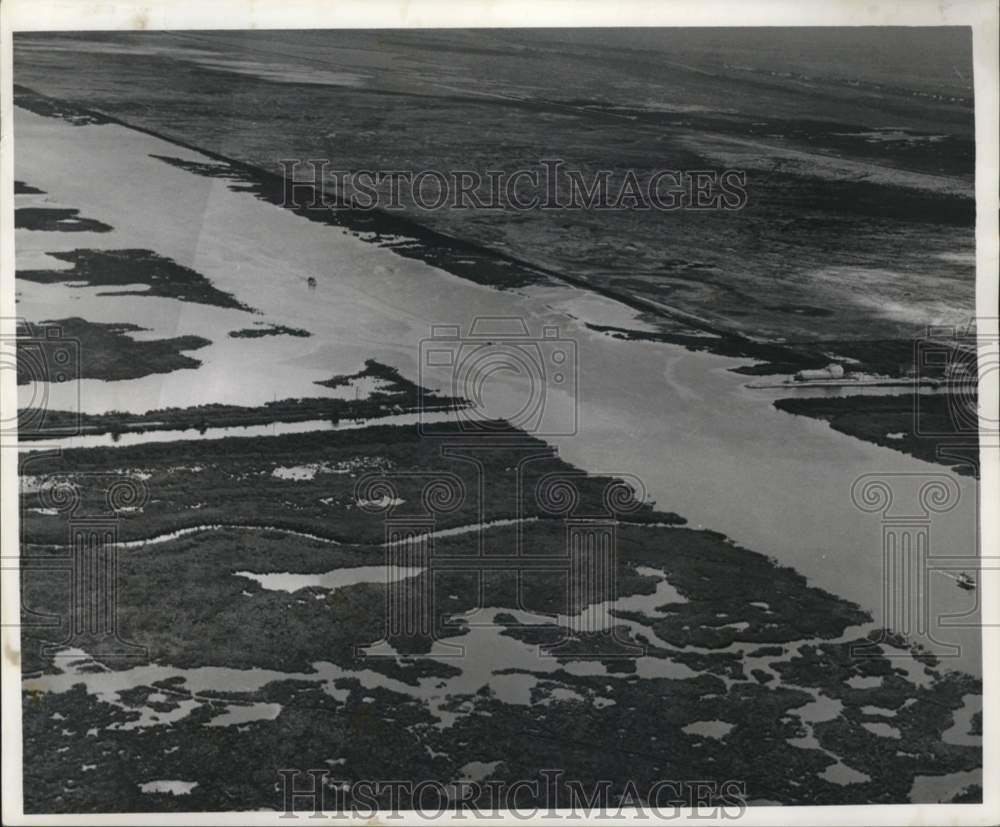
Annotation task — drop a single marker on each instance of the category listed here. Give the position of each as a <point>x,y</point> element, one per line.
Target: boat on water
<point>966,581</point>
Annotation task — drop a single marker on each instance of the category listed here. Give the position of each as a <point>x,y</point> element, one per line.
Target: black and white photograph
<point>428,422</point>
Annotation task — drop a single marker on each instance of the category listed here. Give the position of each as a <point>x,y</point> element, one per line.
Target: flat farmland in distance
<point>875,192</point>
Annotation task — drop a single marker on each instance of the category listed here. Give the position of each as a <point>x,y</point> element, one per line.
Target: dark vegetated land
<point>394,382</point>
<point>740,275</point>
<point>21,188</point>
<point>758,267</point>
<point>183,602</point>
<point>48,219</point>
<point>268,330</point>
<point>895,358</point>
<point>239,480</point>
<point>105,351</point>
<point>929,427</point>
<point>204,564</point>
<point>396,395</point>
<point>120,268</point>
<point>402,235</point>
